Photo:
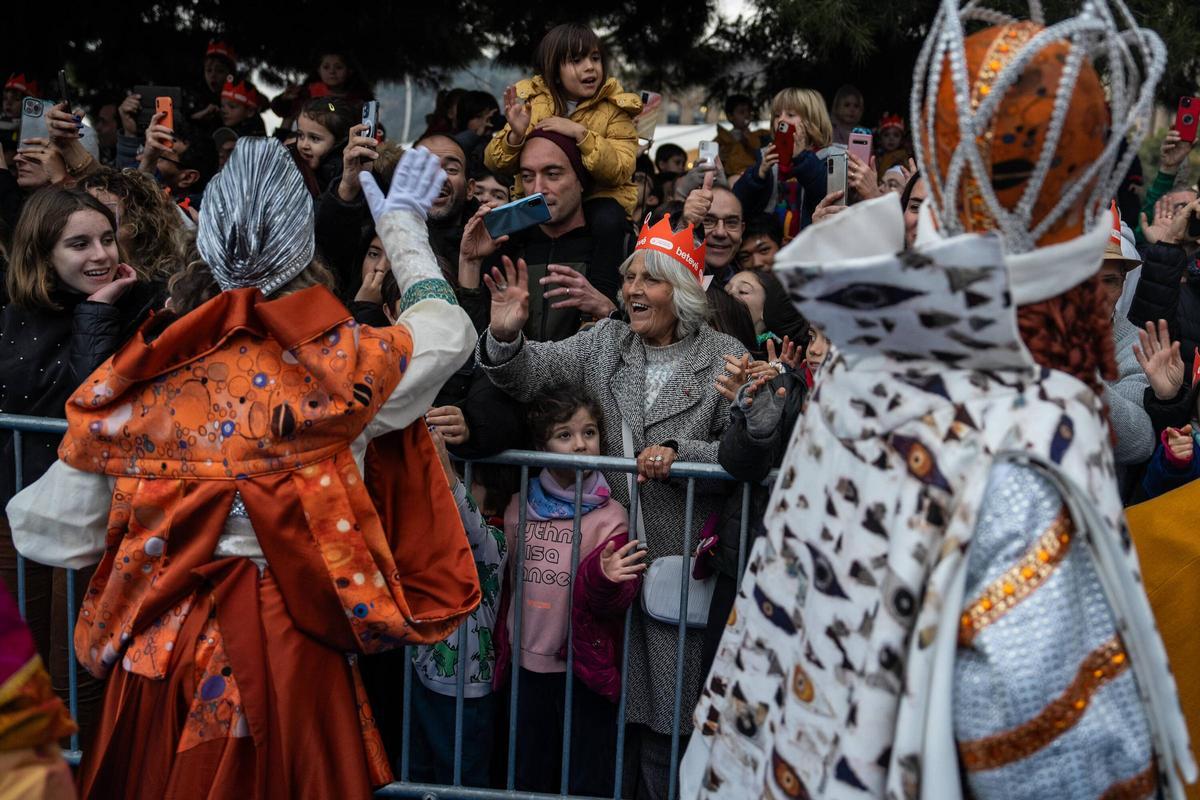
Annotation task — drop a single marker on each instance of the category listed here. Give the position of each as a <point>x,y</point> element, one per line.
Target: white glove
<point>416,184</point>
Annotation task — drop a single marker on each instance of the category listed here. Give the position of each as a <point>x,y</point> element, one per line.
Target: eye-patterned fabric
<point>827,681</point>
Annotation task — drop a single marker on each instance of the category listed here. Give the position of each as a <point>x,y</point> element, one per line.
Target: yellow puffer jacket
<point>609,149</point>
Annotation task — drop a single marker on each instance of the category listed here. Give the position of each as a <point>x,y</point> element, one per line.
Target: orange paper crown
<point>240,92</point>
<point>891,121</point>
<point>219,49</point>
<point>679,245</point>
<point>17,82</point>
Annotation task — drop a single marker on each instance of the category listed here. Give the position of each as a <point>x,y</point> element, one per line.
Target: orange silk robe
<point>224,681</point>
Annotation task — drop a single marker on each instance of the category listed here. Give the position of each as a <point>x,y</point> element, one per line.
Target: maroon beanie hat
<point>571,149</point>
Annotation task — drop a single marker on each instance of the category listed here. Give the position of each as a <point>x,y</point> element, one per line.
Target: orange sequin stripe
<point>1101,666</point>
<point>1139,787</point>
<point>1034,568</point>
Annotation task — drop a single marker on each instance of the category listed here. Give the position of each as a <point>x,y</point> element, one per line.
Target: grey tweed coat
<point>610,362</point>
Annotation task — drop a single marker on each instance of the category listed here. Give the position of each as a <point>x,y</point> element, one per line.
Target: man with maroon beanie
<point>577,287</point>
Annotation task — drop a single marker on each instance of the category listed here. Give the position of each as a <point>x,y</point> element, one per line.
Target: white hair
<point>687,295</point>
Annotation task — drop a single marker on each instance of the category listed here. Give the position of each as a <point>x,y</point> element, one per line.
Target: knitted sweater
<point>1125,397</point>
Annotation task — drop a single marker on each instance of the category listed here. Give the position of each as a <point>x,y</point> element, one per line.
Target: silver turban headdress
<point>256,221</point>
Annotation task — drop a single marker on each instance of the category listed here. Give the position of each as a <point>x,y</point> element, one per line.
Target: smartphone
<point>63,97</point>
<point>785,142</point>
<point>860,145</point>
<point>33,121</point>
<point>835,179</point>
<point>163,105</point>
<point>149,95</point>
<point>370,117</point>
<point>708,154</point>
<point>647,121</point>
<point>517,216</point>
<point>1186,118</point>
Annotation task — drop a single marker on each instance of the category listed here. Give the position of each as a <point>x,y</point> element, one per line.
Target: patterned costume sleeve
<point>1045,704</point>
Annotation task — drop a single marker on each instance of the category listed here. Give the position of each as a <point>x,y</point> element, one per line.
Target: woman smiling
<point>653,377</point>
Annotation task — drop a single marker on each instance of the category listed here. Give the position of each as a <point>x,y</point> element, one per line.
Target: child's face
<point>849,110</point>
<point>12,103</point>
<point>85,255</point>
<point>676,164</point>
<point>740,118</point>
<point>489,191</point>
<point>580,435</point>
<point>314,140</point>
<point>333,71</point>
<point>234,113</point>
<point>216,70</point>
<point>890,139</point>
<point>582,77</point>
<point>818,348</point>
<point>375,260</point>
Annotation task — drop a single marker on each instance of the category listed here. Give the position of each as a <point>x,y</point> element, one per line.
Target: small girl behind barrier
<point>566,420</point>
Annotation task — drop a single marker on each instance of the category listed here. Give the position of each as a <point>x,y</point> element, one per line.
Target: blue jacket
<point>759,195</point>
<point>1162,477</point>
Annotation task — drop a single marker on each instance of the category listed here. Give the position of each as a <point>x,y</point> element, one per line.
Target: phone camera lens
<point>1188,119</point>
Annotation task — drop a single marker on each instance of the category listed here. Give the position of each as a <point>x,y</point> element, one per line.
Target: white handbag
<point>663,579</point>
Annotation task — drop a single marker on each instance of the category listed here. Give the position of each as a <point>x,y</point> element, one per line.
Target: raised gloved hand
<point>418,181</point>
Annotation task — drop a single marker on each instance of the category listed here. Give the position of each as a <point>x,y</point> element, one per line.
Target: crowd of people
<point>275,354</point>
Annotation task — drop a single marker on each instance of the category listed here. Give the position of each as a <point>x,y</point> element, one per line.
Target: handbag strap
<point>627,446</point>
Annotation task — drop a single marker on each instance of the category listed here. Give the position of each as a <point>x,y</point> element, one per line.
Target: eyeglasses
<point>731,223</point>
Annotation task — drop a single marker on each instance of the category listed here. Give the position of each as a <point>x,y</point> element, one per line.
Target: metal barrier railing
<point>525,460</point>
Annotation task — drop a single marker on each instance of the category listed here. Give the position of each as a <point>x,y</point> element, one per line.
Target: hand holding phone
<point>33,121</point>
<point>785,146</point>
<point>860,145</point>
<point>1187,118</point>
<point>370,118</point>
<point>164,105</point>
<point>708,155</point>
<point>835,180</point>
<point>517,216</point>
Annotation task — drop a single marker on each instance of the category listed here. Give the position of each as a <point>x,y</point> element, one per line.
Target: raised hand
<point>699,201</point>
<point>416,184</point>
<point>737,372</point>
<point>1173,152</point>
<point>862,177</point>
<point>564,126</point>
<point>622,565</point>
<point>510,299</point>
<point>770,157</point>
<point>516,111</point>
<point>831,204</point>
<point>128,111</point>
<point>1159,229</point>
<point>1159,358</point>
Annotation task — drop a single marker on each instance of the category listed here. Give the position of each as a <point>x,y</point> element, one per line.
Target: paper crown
<point>1016,131</point>
<point>240,92</point>
<point>219,49</point>
<point>679,245</point>
<point>318,89</point>
<point>891,121</point>
<point>17,82</point>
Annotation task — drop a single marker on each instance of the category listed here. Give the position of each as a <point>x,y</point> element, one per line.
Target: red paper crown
<point>240,92</point>
<point>891,121</point>
<point>1195,366</point>
<point>18,83</point>
<point>318,89</point>
<point>223,50</point>
<point>679,245</point>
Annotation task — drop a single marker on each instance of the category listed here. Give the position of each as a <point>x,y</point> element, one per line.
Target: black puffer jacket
<point>45,355</point>
<point>749,459</point>
<point>1167,291</point>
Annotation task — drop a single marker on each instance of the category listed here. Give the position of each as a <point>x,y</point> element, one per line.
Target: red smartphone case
<point>1187,117</point>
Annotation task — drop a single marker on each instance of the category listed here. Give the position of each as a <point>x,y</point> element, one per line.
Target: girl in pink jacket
<point>566,420</point>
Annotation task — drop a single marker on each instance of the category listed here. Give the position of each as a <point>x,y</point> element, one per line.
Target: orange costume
<point>245,555</point>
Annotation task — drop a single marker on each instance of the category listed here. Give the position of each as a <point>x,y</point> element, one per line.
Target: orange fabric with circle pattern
<point>1017,136</point>
<point>264,398</point>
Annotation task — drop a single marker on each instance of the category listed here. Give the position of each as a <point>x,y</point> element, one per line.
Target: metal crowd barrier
<point>525,460</point>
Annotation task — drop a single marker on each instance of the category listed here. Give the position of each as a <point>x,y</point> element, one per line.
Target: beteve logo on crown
<point>679,245</point>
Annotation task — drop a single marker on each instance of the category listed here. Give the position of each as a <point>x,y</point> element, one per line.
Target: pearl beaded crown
<point>1103,33</point>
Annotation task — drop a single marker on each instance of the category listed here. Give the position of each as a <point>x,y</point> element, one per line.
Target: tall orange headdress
<point>1013,129</point>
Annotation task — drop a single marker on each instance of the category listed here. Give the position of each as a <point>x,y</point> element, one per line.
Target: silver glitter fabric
<point>1027,658</point>
<point>256,221</point>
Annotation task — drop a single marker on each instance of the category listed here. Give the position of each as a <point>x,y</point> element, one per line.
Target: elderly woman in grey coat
<point>655,375</point>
